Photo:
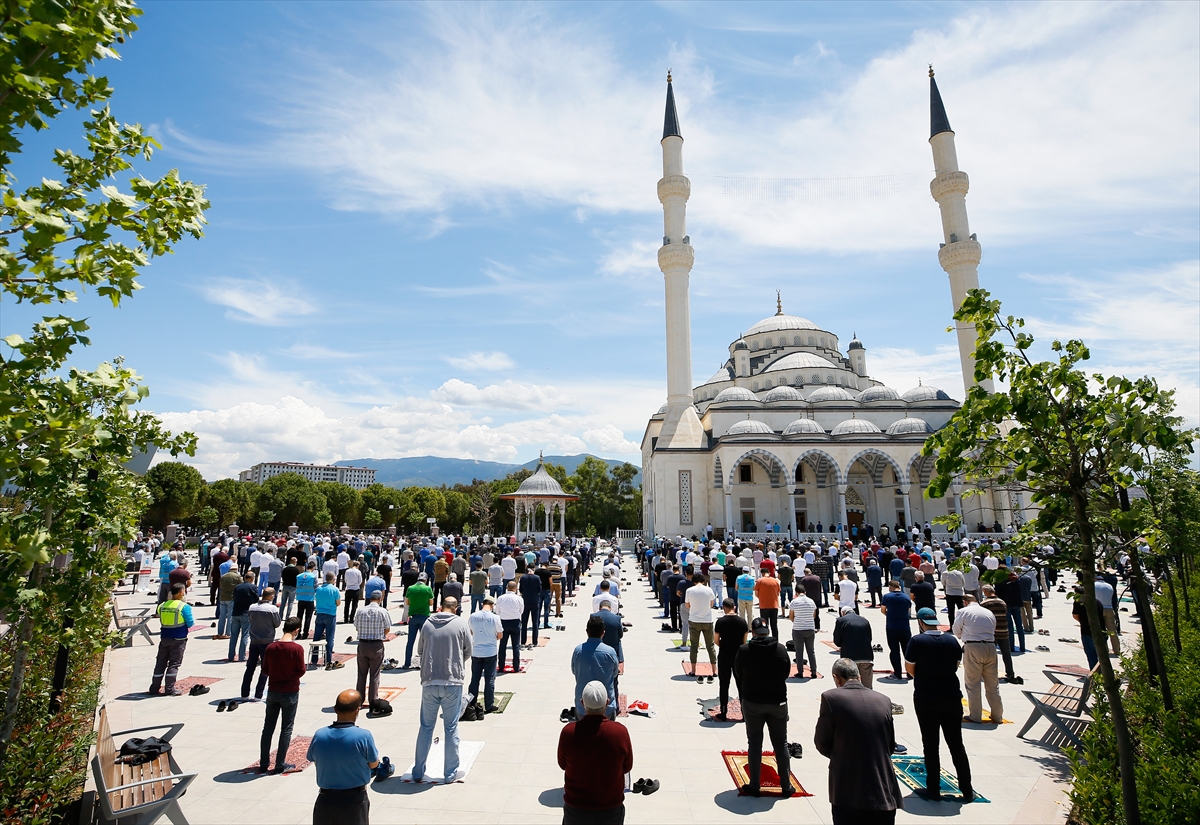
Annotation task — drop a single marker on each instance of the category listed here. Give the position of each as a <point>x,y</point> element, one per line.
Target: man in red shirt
<point>283,664</point>
<point>595,754</point>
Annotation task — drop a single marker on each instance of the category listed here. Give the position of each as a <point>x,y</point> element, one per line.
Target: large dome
<point>783,393</point>
<point>801,361</point>
<point>541,483</point>
<point>830,393</point>
<point>855,426</point>
<point>776,322</point>
<point>750,427</point>
<point>925,393</point>
<point>734,394</point>
<point>878,394</point>
<point>720,375</point>
<point>803,426</point>
<point>909,426</point>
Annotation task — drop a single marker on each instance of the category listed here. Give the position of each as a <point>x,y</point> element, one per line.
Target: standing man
<point>852,635</point>
<point>306,594</point>
<point>495,580</point>
<point>804,632</point>
<point>353,579</point>
<point>418,601</point>
<point>345,755</point>
<point>287,580</point>
<point>847,591</point>
<point>479,587</point>
<point>730,632</point>
<point>855,730</point>
<point>445,649</point>
<point>745,596</point>
<point>486,631</point>
<point>812,585</point>
<point>595,754</point>
<point>371,623</point>
<point>999,609</point>
<point>283,663</point>
<point>762,668</point>
<point>954,585</point>
<point>530,587</point>
<point>700,621</point>
<point>175,617</point>
<point>508,609</point>
<point>932,660</point>
<point>767,590</point>
<point>975,628</point>
<point>263,618</point>
<point>923,593</point>
<point>327,600</point>
<point>594,661</point>
<point>226,585</point>
<point>244,595</point>
<point>874,580</point>
<point>896,606</point>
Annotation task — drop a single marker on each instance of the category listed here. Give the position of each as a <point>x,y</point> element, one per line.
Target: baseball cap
<point>488,600</point>
<point>423,577</point>
<point>760,628</point>
<point>926,615</point>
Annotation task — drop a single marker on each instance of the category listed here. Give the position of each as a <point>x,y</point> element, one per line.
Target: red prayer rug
<point>507,666</point>
<point>297,755</point>
<point>622,704</point>
<point>706,669</point>
<point>768,778</point>
<point>390,694</point>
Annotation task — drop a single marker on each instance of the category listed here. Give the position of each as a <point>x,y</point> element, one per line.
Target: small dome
<point>783,393</point>
<point>909,426</point>
<point>855,426</point>
<point>541,483</point>
<point>734,394</point>
<point>925,393</point>
<point>777,322</point>
<point>750,427</point>
<point>800,361</point>
<point>720,375</point>
<point>741,344</point>
<point>830,393</point>
<point>803,426</point>
<point>661,410</point>
<point>878,394</point>
<point>855,343</point>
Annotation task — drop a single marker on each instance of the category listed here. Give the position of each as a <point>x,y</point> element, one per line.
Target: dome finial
<point>930,72</point>
<point>669,72</point>
<point>919,384</point>
<point>778,303</point>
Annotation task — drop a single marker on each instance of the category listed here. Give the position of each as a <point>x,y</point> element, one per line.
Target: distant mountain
<point>433,471</point>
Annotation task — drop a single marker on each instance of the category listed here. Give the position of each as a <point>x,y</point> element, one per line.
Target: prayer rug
<point>622,705</point>
<point>910,770</point>
<point>297,755</point>
<point>884,671</point>
<point>543,641</point>
<point>987,715</point>
<point>706,669</point>
<point>391,636</point>
<point>1074,670</point>
<point>678,643</point>
<point>829,644</point>
<point>435,763</point>
<point>507,666</point>
<point>502,700</point>
<point>391,694</point>
<point>733,711</point>
<point>768,778</point>
<point>187,684</point>
<point>345,657</point>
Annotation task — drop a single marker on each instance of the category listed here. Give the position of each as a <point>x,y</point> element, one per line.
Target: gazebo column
<point>546,507</point>
<point>562,519</point>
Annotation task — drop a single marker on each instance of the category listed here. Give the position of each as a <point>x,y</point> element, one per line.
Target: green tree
<point>174,491</point>
<point>458,509</point>
<point>293,499</point>
<point>427,502</point>
<point>233,500</point>
<point>1076,443</point>
<point>597,494</point>
<point>207,517</point>
<point>395,506</point>
<point>343,501</point>
<point>66,432</point>
<point>371,518</point>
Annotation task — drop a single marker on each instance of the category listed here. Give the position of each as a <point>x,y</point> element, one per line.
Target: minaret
<point>681,428</point>
<point>960,253</point>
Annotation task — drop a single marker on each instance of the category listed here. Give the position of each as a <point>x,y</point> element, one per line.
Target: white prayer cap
<point>595,696</point>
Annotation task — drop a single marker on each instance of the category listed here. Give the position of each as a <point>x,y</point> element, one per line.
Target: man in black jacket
<point>761,669</point>
<point>852,635</point>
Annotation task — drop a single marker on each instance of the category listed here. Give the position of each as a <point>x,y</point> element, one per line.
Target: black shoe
<point>721,717</point>
<point>709,678</point>
<point>747,790</point>
<point>968,796</point>
<point>283,768</point>
<point>650,787</point>
<point>639,786</point>
<point>928,795</point>
<point>221,706</point>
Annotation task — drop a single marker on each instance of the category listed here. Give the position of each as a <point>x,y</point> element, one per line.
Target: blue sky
<point>434,226</point>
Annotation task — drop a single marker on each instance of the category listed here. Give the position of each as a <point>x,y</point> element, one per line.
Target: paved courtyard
<point>516,778</point>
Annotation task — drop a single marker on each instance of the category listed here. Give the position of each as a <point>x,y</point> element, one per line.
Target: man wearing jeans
<point>244,595</point>
<point>227,583</point>
<point>306,594</point>
<point>700,622</point>
<point>762,668</point>
<point>444,648</point>
<point>509,608</point>
<point>283,662</point>
<point>896,607</point>
<point>417,601</point>
<point>486,631</point>
<point>327,601</point>
<point>263,618</point>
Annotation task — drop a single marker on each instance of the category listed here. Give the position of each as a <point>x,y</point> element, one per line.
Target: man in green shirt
<point>417,598</point>
<point>479,586</point>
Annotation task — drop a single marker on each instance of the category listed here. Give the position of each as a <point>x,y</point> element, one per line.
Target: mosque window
<point>816,379</point>
<point>810,340</point>
<point>796,341</point>
<point>823,342</point>
<point>745,474</point>
<point>754,345</point>
<point>769,343</point>
<point>766,385</point>
<point>782,379</point>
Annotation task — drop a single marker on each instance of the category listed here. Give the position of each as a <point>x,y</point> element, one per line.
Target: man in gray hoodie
<point>445,648</point>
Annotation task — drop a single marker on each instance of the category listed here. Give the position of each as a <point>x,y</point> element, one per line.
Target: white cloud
<point>609,439</point>
<point>511,395</point>
<point>903,368</point>
<point>482,362</point>
<point>257,302</point>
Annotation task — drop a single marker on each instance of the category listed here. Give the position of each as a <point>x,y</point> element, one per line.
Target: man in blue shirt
<point>875,581</point>
<point>375,584</point>
<point>328,598</point>
<point>345,755</point>
<point>896,606</point>
<point>530,587</point>
<point>895,568</point>
<point>745,596</point>
<point>306,594</point>
<point>594,661</point>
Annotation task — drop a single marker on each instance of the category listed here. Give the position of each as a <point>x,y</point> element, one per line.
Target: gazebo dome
<point>925,393</point>
<point>734,394</point>
<point>880,393</point>
<point>830,393</point>
<point>750,427</point>
<point>909,426</point>
<point>783,393</point>
<point>778,322</point>
<point>855,426</point>
<point>803,426</point>
<point>541,483</point>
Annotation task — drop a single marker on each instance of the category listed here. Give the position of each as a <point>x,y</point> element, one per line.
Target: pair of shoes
<point>1043,648</point>
<point>646,786</point>
<point>384,769</point>
<point>335,666</point>
<point>278,769</point>
<point>928,795</point>
<point>898,748</point>
<point>567,715</point>
<point>897,709</point>
<point>795,750</point>
<point>199,690</point>
<point>699,680</point>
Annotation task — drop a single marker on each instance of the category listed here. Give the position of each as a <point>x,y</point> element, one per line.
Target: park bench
<point>143,793</point>
<point>1062,706</point>
<point>132,621</point>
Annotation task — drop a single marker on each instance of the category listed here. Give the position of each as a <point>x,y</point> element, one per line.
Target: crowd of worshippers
<point>732,596</point>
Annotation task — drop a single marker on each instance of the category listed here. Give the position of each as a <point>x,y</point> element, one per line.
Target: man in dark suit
<point>613,631</point>
<point>855,731</point>
<point>852,635</point>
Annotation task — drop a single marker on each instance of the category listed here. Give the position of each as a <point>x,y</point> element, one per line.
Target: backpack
<point>140,751</point>
<point>381,707</point>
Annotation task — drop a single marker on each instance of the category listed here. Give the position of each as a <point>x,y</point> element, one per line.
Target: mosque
<point>792,435</point>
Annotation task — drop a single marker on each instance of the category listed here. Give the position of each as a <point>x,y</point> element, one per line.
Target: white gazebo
<point>540,489</point>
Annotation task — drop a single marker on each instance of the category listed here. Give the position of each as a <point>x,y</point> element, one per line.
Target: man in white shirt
<point>971,580</point>
<point>264,570</point>
<point>804,630</point>
<point>955,587</point>
<point>509,565</point>
<point>975,627</point>
<point>716,580</point>
<point>699,598</point>
<point>991,562</point>
<point>509,608</point>
<point>604,594</point>
<point>847,592</point>
<point>354,582</point>
<point>343,562</point>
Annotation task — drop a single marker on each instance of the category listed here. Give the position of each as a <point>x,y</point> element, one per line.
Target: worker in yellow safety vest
<point>175,617</point>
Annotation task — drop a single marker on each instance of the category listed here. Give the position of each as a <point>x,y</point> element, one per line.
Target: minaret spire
<point>960,253</point>
<point>778,303</point>
<point>681,426</point>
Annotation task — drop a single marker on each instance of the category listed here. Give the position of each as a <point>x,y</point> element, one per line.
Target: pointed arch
<point>879,460</point>
<point>920,468</point>
<point>766,459</point>
<point>822,466</point>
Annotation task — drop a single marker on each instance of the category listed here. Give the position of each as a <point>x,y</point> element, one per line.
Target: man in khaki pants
<point>975,627</point>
